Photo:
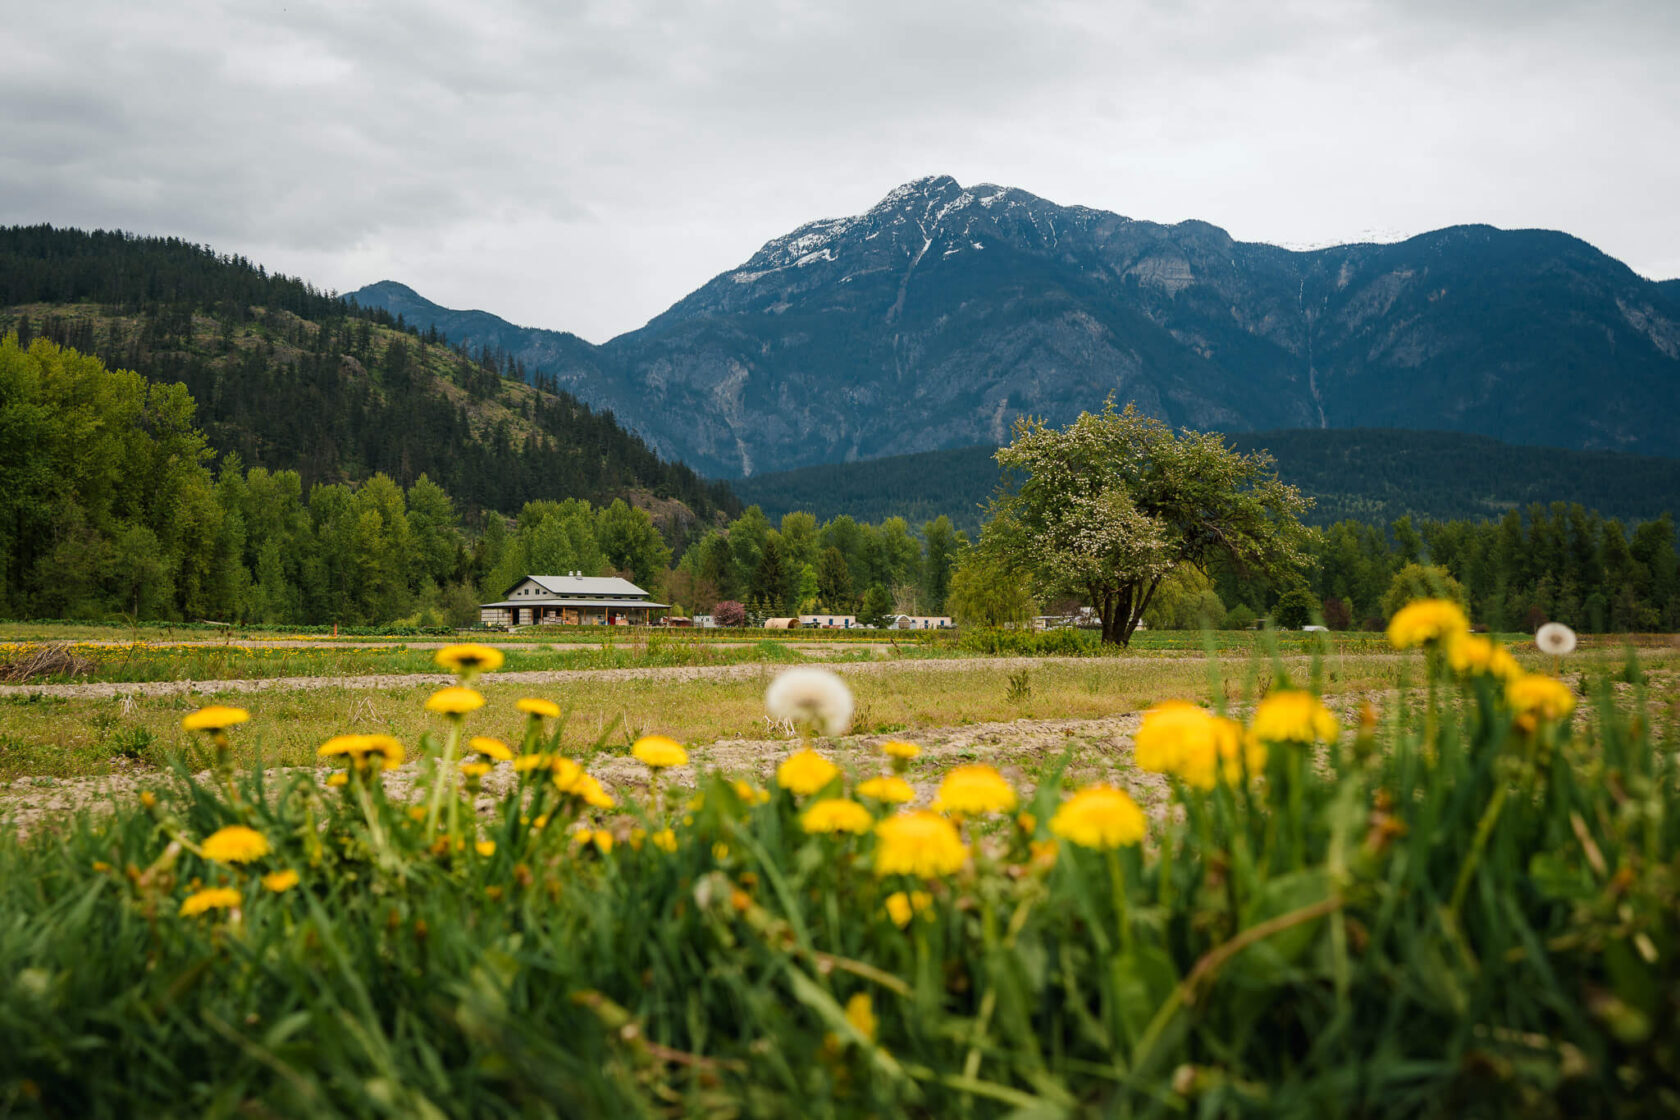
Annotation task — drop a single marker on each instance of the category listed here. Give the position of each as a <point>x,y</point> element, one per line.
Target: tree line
<point>289,377</point>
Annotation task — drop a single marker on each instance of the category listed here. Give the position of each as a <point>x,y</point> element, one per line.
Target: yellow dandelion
<point>1099,817</point>
<point>1535,696</point>
<point>1221,754</point>
<point>860,1013</point>
<point>490,748</point>
<point>1474,655</point>
<point>485,848</point>
<point>214,718</point>
<point>974,789</point>
<point>525,763</point>
<point>279,881</point>
<point>603,840</point>
<point>470,658</point>
<point>901,907</point>
<point>538,709</point>
<point>918,843</point>
<point>386,750</point>
<point>474,769</point>
<point>892,790</point>
<point>805,772</point>
<point>657,752</point>
<point>837,815</point>
<point>750,794</point>
<point>211,898</point>
<point>665,840</point>
<point>1168,730</point>
<point>1426,620</point>
<point>235,844</point>
<point>455,701</point>
<point>338,779</point>
<point>1292,716</point>
<point>588,787</point>
<point>898,748</point>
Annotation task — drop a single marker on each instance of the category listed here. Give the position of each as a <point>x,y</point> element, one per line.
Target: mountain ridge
<point>940,314</point>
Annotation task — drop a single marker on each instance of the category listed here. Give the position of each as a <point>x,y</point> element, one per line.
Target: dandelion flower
<point>1168,729</point>
<point>278,881</point>
<point>588,787</point>
<point>860,1013</point>
<point>901,907</point>
<point>918,843</point>
<point>837,814</point>
<point>899,749</point>
<point>811,697</point>
<point>657,752</point>
<point>386,749</point>
<point>1222,754</point>
<point>1474,655</point>
<point>750,794</point>
<point>539,709</point>
<point>470,658</point>
<point>214,718</point>
<point>1535,696</point>
<point>974,789</point>
<point>235,844</point>
<point>665,840</point>
<point>1099,817</point>
<point>485,848</point>
<point>474,770</point>
<point>893,790</point>
<point>338,779</point>
<point>805,772</point>
<point>1426,620</point>
<point>1555,638</point>
<point>455,701</point>
<point>525,763</point>
<point>1292,716</point>
<point>211,898</point>
<point>490,748</point>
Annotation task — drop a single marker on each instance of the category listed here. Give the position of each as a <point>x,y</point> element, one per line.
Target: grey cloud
<point>582,165</point>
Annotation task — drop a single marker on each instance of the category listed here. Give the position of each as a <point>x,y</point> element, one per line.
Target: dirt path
<point>1100,749</point>
<point>109,689</point>
<point>533,646</point>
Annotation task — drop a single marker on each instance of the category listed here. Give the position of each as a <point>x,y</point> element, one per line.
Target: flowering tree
<point>1110,505</point>
<point>729,613</point>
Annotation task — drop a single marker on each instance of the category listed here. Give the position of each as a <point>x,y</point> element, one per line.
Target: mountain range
<point>944,312</point>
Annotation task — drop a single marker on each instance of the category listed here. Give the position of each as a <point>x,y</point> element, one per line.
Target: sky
<point>582,166</point>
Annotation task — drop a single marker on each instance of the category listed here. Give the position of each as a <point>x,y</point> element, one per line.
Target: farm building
<point>573,599</point>
<point>920,622</point>
<point>830,621</point>
<point>781,624</point>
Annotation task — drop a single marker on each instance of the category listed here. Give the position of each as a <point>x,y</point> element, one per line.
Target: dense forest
<point>291,378</point>
<point>114,504</point>
<point>1375,475</point>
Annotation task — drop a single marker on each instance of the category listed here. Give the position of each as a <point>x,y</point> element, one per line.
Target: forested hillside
<point>290,378</point>
<point>1364,474</point>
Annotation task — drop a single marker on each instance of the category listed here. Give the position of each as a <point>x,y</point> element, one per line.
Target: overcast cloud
<point>583,165</point>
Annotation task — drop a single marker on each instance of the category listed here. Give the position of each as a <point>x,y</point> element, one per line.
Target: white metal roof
<point>588,586</point>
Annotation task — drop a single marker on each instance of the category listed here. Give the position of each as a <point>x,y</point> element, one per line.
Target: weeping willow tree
<point>1109,506</point>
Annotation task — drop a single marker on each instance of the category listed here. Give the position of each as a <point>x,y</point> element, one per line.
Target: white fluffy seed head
<point>1555,638</point>
<point>813,697</point>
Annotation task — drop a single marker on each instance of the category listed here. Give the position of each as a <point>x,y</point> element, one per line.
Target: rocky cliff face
<point>945,312</point>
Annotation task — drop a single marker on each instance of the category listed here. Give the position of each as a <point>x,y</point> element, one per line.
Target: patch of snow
<point>977,245</point>
<point>826,253</point>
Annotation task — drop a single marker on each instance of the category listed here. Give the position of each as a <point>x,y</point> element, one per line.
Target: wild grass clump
<point>1461,906</point>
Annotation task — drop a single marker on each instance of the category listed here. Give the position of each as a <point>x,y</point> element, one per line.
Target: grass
<point>64,737</point>
<point>1464,907</point>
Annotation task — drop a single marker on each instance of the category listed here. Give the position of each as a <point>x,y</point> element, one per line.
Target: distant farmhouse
<point>573,599</point>
<point>829,621</point>
<point>920,622</point>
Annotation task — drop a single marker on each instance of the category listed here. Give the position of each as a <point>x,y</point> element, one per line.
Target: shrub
<point>1294,609</point>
